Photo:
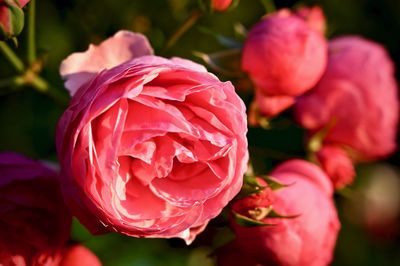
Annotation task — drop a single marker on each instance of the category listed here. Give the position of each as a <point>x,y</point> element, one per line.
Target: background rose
<point>220,5</point>
<point>151,147</point>
<point>307,239</point>
<point>356,96</point>
<point>284,57</point>
<point>34,221</point>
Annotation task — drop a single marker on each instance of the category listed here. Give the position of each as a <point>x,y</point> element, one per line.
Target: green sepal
<point>16,22</point>
<point>250,186</point>
<point>248,222</point>
<point>274,214</point>
<point>273,184</point>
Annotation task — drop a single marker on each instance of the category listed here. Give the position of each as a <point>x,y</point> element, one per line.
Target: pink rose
<point>307,239</point>
<point>220,5</point>
<point>34,220</point>
<point>314,16</point>
<point>79,255</point>
<point>149,147</point>
<point>337,165</point>
<point>356,100</point>
<point>11,17</point>
<point>284,57</point>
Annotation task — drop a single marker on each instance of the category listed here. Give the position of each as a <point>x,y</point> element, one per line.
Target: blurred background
<point>369,209</point>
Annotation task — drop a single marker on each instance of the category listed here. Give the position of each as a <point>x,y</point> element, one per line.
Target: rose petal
<point>78,68</point>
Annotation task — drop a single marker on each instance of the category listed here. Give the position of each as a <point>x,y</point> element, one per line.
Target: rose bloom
<point>11,17</point>
<point>356,100</point>
<point>220,5</point>
<point>284,58</point>
<point>306,239</point>
<point>149,147</point>
<point>35,223</point>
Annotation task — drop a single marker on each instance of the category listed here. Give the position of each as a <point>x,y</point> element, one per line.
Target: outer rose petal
<point>79,255</point>
<point>79,68</point>
<point>314,16</point>
<point>337,165</point>
<point>273,105</point>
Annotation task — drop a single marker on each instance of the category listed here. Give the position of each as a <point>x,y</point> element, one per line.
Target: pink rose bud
<point>149,147</point>
<point>314,16</point>
<point>220,5</point>
<point>337,165</point>
<point>11,18</point>
<point>307,238</point>
<point>284,57</point>
<point>34,219</point>
<point>79,255</point>
<point>356,100</point>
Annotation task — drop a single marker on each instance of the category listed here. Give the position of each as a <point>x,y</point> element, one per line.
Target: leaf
<point>228,42</point>
<point>225,62</point>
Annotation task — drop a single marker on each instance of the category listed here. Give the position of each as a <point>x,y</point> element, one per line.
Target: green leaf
<point>228,42</point>
<point>225,62</point>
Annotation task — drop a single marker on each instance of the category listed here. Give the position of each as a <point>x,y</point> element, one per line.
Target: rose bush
<point>148,147</point>
<point>35,223</point>
<point>305,239</point>
<point>284,57</point>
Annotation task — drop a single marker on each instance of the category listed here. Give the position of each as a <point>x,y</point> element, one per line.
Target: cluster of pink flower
<point>155,147</point>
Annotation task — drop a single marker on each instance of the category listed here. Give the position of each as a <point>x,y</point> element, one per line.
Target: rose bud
<point>11,18</point>
<point>284,57</point>
<point>314,16</point>
<point>301,229</point>
<point>35,223</point>
<point>149,147</point>
<point>79,255</point>
<point>220,5</point>
<point>355,102</point>
<point>337,165</point>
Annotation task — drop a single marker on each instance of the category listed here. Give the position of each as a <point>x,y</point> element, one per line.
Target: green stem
<point>12,57</point>
<point>31,33</point>
<point>269,5</point>
<point>42,86</point>
<point>186,25</point>
<point>11,82</point>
